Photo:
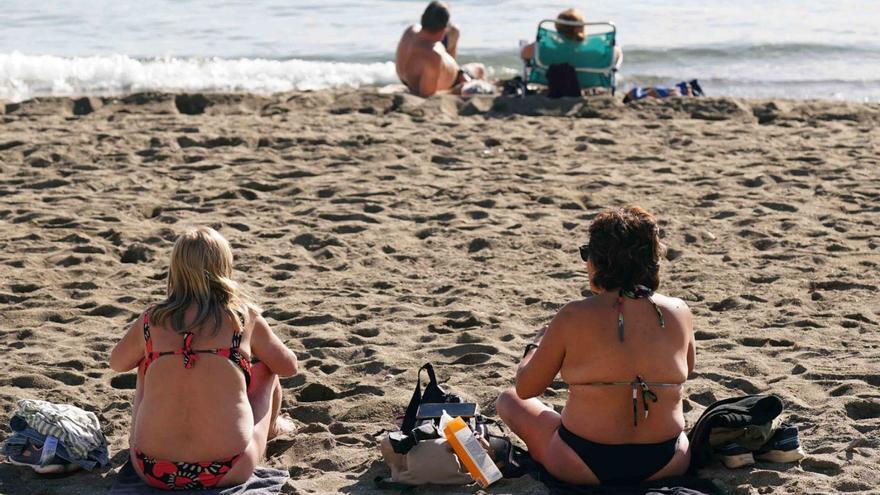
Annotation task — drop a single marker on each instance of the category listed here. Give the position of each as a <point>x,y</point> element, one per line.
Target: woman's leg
<point>680,461</point>
<point>536,424</point>
<point>265,399</point>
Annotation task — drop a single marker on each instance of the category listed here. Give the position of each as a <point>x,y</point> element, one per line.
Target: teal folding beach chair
<point>592,59</point>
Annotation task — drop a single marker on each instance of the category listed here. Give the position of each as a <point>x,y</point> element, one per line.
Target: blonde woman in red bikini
<point>204,408</point>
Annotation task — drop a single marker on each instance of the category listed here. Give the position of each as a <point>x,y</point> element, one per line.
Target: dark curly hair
<point>625,249</point>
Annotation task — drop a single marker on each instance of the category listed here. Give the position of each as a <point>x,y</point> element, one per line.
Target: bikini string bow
<point>189,356</point>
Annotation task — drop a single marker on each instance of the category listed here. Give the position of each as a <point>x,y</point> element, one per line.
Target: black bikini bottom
<point>624,463</point>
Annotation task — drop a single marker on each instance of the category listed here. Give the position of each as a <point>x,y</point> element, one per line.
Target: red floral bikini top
<point>190,355</point>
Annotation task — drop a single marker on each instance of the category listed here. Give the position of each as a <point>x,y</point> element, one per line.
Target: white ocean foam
<point>28,76</point>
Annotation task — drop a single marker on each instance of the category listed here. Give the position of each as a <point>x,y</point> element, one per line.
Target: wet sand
<point>381,231</point>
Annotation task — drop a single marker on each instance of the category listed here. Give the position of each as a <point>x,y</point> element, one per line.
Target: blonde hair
<point>576,33</point>
<point>201,274</point>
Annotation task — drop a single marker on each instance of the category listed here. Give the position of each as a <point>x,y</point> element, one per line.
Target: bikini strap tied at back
<point>189,356</point>
<point>639,385</point>
<point>641,389</point>
<point>637,292</point>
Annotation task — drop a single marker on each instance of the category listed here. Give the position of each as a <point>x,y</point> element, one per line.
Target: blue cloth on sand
<point>22,434</point>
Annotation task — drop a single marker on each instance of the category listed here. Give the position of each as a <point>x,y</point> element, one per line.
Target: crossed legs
<point>536,424</point>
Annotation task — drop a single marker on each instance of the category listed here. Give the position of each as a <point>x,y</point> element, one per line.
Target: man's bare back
<point>423,63</point>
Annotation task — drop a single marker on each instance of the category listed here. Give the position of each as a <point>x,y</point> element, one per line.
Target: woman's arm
<point>129,351</point>
<point>266,346</point>
<point>692,343</point>
<point>539,367</point>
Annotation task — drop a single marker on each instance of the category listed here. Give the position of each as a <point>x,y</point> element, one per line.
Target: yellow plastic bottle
<point>469,451</point>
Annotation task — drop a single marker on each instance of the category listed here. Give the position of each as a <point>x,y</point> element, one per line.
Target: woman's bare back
<point>594,353</point>
<point>198,413</point>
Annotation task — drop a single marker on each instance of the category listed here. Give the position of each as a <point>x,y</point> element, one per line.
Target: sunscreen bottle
<point>469,451</point>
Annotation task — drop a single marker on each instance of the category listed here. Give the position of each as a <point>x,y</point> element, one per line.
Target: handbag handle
<point>409,419</point>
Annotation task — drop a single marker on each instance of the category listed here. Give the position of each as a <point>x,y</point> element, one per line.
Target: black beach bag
<point>563,81</point>
<point>432,394</point>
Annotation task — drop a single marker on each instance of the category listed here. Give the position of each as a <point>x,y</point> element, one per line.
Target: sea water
<point>751,48</point>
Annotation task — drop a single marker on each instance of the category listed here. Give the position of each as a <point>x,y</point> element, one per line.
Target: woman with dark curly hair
<point>624,353</point>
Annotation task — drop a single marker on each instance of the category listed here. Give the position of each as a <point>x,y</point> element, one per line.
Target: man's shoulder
<point>412,30</point>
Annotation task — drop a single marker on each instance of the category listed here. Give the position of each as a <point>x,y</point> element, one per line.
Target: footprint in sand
<point>308,321</point>
<point>469,338</point>
<point>48,184</point>
<point>69,261</point>
<point>461,350</point>
<point>730,303</point>
<point>821,465</point>
<point>316,392</point>
<point>347,217</point>
<point>779,207</point>
<point>317,343</point>
<point>366,332</point>
<point>703,398</point>
<point>33,381</point>
<point>362,390</point>
<point>845,389</point>
<point>107,311</point>
<point>840,285</point>
<point>763,341</point>
<point>136,253</point>
<point>313,413</point>
<point>328,369</point>
<point>188,142</point>
<point>862,409</point>
<point>314,243</point>
<point>853,486</point>
<point>472,358</point>
<point>73,364</point>
<point>24,288</point>
<point>460,320</point>
<point>67,377</point>
<point>478,245</point>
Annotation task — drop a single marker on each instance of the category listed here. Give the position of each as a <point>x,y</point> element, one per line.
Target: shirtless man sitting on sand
<point>426,53</point>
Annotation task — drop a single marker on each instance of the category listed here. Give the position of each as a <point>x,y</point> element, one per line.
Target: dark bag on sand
<point>563,81</point>
<point>433,394</point>
<point>418,453</point>
<point>733,412</point>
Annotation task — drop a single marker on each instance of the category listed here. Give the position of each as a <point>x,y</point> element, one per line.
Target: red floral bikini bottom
<point>170,475</point>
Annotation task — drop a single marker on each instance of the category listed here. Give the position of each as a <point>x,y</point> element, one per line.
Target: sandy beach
<point>382,231</point>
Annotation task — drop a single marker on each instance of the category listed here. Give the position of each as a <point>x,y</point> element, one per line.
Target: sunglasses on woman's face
<point>585,252</point>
